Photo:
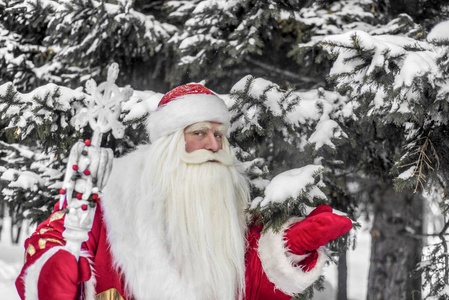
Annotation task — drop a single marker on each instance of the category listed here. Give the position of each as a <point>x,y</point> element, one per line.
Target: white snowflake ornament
<point>89,165</point>
<point>104,105</point>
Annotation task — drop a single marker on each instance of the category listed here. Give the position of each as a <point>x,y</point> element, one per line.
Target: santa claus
<point>172,225</point>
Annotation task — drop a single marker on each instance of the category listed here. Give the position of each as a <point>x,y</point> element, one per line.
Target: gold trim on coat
<point>111,294</point>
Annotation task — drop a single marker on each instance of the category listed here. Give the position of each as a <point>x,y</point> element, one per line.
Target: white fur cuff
<point>278,263</point>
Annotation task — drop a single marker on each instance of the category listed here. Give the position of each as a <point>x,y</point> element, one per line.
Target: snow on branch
<point>295,183</point>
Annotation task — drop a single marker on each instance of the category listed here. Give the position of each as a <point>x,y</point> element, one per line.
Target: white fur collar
<point>135,230</point>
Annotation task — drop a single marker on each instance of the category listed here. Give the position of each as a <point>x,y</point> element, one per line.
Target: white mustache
<point>202,156</point>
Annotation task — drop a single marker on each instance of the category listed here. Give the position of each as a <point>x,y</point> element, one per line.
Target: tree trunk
<point>2,217</point>
<point>16,229</point>
<point>143,75</point>
<point>395,250</point>
<point>342,277</point>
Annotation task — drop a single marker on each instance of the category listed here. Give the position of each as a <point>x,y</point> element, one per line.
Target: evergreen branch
<point>285,73</point>
<point>424,162</point>
<point>435,154</point>
<point>426,235</point>
<point>335,45</point>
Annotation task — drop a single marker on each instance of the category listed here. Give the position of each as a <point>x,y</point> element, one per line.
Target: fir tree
<point>26,183</point>
<point>69,42</point>
<point>228,38</point>
<point>23,27</point>
<point>398,84</point>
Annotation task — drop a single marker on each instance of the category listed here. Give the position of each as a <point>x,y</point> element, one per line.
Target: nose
<point>212,143</point>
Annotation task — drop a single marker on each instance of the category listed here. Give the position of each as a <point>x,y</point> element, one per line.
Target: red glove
<point>60,276</point>
<point>316,230</point>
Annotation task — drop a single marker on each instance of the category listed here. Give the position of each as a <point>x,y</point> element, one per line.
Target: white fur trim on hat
<point>184,111</point>
<point>278,263</point>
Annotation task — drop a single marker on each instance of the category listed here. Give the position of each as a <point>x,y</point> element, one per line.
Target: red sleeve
<point>257,284</point>
<point>47,236</point>
<point>272,271</point>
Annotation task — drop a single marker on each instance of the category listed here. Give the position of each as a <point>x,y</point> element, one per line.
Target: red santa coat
<point>107,280</point>
<point>125,251</point>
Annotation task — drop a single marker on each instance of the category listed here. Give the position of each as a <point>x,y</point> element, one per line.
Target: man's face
<point>204,135</point>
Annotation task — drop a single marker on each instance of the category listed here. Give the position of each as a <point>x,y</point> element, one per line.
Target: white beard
<point>204,216</point>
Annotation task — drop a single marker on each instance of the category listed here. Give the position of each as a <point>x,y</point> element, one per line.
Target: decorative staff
<point>89,165</point>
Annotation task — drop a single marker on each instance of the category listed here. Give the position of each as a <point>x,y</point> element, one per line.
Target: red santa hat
<point>184,106</point>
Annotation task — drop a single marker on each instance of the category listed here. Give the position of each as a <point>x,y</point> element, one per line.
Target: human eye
<point>198,132</point>
<point>218,135</point>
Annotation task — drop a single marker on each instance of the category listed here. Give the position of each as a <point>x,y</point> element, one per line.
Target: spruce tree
<point>229,39</point>
<point>23,27</point>
<point>69,42</point>
<point>398,84</point>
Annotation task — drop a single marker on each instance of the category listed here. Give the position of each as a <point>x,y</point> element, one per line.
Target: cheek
<point>190,143</point>
<point>192,146</point>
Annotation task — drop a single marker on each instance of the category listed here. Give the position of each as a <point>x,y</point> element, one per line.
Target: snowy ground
<point>11,259</point>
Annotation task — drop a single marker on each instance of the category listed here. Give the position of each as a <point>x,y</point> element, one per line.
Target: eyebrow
<point>205,126</point>
<point>198,126</point>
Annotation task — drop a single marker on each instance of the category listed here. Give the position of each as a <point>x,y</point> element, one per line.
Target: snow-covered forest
<point>342,102</point>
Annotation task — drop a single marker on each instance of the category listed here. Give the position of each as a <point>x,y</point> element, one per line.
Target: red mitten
<point>60,276</point>
<point>316,230</point>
